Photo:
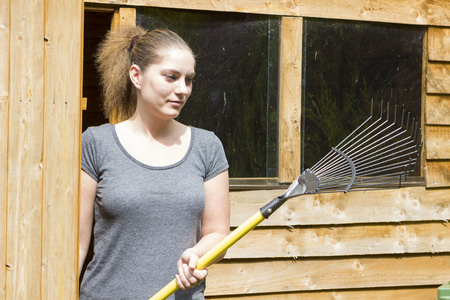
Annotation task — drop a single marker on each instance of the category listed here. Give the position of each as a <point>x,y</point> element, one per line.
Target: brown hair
<point>115,55</point>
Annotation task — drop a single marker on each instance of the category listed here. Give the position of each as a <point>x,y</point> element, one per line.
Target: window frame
<point>289,100</point>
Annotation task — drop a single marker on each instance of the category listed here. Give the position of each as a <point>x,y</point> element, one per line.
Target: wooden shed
<point>391,244</point>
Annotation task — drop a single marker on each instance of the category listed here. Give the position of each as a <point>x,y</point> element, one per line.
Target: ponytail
<point>113,63</point>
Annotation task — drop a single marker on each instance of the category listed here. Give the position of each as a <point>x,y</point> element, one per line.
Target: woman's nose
<point>182,88</point>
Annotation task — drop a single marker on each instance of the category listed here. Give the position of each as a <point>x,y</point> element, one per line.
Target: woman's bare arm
<point>87,196</point>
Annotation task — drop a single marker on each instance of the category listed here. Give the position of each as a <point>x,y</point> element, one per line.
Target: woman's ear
<point>135,76</point>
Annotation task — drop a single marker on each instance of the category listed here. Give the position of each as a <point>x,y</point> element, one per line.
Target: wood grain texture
<point>25,153</point>
<point>437,142</point>
<point>437,110</point>
<point>437,174</point>
<point>353,240</point>
<point>397,205</point>
<point>123,16</point>
<point>62,131</point>
<point>4,111</point>
<point>418,12</point>
<point>438,78</point>
<point>289,110</point>
<point>250,277</point>
<point>439,44</point>
<point>359,294</point>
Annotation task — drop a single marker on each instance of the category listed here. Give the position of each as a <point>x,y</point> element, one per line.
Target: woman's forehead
<point>177,57</point>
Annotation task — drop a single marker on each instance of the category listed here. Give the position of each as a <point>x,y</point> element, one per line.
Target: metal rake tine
<point>374,143</point>
<point>372,162</point>
<point>381,117</point>
<point>379,153</point>
<point>385,168</point>
<point>362,124</point>
<point>393,146</point>
<point>385,148</point>
<point>407,122</point>
<point>357,135</point>
<point>395,113</point>
<point>320,163</point>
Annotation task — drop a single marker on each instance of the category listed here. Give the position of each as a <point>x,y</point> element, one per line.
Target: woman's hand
<point>188,276</point>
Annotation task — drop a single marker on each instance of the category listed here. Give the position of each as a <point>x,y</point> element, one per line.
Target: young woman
<point>156,190</point>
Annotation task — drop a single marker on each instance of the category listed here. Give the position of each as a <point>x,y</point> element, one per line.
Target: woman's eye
<point>171,77</point>
<point>189,81</point>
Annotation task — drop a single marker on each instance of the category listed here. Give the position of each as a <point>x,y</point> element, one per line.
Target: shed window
<point>348,64</point>
<point>236,87</point>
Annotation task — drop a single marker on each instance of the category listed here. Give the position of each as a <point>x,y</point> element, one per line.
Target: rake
<point>378,154</point>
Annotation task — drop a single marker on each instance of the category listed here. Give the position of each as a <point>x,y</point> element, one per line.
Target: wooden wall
<point>393,244</point>
<point>363,245</point>
<point>40,92</point>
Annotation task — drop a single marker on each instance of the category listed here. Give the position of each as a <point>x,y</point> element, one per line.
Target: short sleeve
<point>88,154</point>
<point>217,159</point>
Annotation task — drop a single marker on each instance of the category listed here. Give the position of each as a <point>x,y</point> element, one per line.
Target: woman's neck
<point>154,128</point>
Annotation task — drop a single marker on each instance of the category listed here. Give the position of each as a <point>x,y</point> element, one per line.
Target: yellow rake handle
<point>214,253</point>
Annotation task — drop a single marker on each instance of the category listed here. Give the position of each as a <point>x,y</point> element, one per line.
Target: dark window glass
<point>348,64</point>
<point>236,87</point>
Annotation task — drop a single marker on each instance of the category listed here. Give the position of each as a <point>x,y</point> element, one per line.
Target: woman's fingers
<point>188,277</point>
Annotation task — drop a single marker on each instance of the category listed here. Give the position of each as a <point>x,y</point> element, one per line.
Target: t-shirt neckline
<point>127,154</point>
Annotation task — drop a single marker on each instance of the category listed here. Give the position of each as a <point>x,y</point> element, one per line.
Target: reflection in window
<point>236,87</point>
<point>346,65</point>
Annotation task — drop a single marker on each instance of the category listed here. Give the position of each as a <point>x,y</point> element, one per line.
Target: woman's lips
<point>176,102</point>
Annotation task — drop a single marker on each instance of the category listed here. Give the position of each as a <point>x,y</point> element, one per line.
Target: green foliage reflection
<point>348,64</point>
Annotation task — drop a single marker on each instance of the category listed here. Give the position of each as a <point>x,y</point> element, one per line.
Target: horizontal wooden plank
<point>391,11</point>
<point>397,205</point>
<point>437,142</point>
<point>437,174</point>
<point>343,240</point>
<point>423,293</point>
<point>237,278</point>
<point>438,78</point>
<point>439,43</point>
<point>437,109</point>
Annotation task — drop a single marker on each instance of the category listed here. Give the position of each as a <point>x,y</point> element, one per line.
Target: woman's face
<point>164,87</point>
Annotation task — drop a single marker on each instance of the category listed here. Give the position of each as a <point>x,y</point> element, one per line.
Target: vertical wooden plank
<point>423,99</point>
<point>4,108</point>
<point>25,132</point>
<point>290,98</point>
<point>123,16</point>
<point>62,137</point>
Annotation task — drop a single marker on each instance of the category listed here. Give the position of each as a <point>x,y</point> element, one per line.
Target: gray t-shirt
<point>145,216</point>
